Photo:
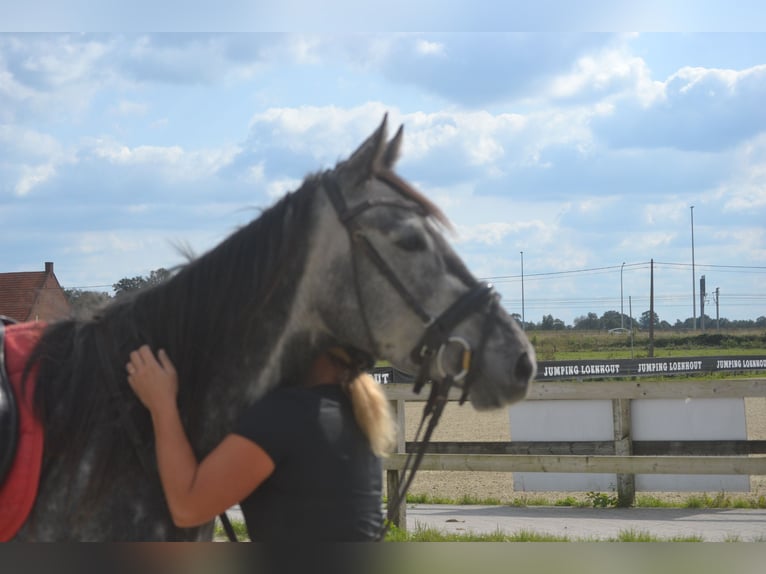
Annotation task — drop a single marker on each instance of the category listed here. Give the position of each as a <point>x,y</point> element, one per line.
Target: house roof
<point>19,291</point>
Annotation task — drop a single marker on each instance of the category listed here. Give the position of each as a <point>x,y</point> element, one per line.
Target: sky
<point>570,158</point>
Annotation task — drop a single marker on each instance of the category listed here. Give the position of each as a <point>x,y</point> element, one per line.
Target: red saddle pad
<point>18,492</point>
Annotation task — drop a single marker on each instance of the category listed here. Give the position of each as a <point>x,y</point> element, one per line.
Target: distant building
<point>33,296</point>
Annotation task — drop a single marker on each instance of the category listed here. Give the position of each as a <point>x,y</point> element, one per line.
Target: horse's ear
<point>392,149</point>
<point>364,160</point>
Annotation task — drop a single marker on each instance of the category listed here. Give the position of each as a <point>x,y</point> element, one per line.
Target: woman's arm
<point>196,492</point>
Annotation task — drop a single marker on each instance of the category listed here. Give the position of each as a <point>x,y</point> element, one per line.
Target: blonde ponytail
<point>373,413</point>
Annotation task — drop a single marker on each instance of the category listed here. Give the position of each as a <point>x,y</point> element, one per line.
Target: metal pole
<point>694,287</point>
<point>630,311</point>
<point>717,310</point>
<point>651,310</point>
<point>622,313</point>
<point>522,290</point>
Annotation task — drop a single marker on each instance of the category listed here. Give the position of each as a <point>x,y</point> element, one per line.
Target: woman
<point>303,461</point>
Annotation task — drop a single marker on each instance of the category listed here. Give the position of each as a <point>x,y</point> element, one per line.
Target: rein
<point>436,338</point>
<point>428,353</point>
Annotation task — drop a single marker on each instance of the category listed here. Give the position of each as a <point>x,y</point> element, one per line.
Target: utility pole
<point>702,302</point>
<point>717,314</point>
<point>651,310</point>
<point>522,291</point>
<point>622,313</point>
<point>630,310</point>
<point>694,286</point>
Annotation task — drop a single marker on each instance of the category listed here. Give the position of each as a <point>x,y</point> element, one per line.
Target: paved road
<point>712,525</point>
<point>582,524</point>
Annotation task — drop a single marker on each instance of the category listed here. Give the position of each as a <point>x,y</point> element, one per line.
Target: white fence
<point>618,456</point>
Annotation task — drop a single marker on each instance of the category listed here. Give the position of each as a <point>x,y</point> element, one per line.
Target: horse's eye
<point>411,241</point>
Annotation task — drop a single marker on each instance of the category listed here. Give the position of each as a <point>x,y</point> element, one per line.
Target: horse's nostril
<point>524,368</point>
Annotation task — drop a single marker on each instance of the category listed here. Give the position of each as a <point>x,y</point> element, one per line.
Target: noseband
<point>437,335</point>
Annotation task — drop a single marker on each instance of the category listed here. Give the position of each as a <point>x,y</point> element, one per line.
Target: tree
<point>549,323</point>
<point>128,284</point>
<point>643,322</point>
<point>590,323</point>
<point>611,320</point>
<point>86,303</point>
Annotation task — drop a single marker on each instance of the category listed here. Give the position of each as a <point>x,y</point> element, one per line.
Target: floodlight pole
<point>622,313</point>
<point>522,290</point>
<point>694,287</point>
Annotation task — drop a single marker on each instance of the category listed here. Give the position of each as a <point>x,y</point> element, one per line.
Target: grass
<point>599,500</point>
<point>722,500</point>
<point>429,534</point>
<point>582,345</point>
<point>219,534</point>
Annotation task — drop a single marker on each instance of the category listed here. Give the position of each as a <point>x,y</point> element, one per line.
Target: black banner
<point>590,369</point>
<point>614,368</point>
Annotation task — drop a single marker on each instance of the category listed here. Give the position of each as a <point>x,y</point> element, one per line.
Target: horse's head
<point>413,301</point>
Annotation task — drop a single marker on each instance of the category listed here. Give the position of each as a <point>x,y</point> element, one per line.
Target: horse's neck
<point>259,353</point>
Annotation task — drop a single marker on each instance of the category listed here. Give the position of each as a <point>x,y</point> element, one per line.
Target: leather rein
<point>428,353</point>
<point>437,335</point>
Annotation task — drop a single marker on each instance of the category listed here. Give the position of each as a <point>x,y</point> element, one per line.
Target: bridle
<point>427,353</point>
<point>437,336</point>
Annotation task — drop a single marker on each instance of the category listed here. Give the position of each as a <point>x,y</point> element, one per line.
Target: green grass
<point>722,500</point>
<point>631,535</point>
<point>583,345</point>
<point>429,534</point>
<point>599,500</point>
<point>219,534</point>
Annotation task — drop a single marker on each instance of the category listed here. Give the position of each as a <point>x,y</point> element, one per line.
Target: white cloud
<point>254,173</point>
<point>494,233</point>
<point>128,108</point>
<point>609,71</point>
<point>173,162</point>
<point>326,133</point>
<point>748,240</point>
<point>278,187</point>
<point>648,241</point>
<point>673,211</point>
<point>429,48</point>
<point>596,205</point>
<point>105,242</point>
<point>746,189</point>
<point>702,109</point>
<point>32,176</point>
<point>20,142</point>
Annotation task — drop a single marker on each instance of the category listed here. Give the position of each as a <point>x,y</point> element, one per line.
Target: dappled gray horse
<point>354,257</point>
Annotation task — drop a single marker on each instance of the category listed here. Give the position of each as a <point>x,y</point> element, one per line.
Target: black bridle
<point>437,336</point>
<point>428,353</point>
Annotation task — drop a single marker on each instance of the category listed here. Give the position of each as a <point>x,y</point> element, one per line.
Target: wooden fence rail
<point>622,458</point>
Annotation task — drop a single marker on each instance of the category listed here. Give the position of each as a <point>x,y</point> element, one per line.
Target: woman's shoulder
<point>295,395</point>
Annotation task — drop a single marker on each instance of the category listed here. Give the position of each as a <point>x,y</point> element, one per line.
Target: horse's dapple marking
<point>249,314</point>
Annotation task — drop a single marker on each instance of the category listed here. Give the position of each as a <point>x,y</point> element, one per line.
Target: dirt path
<point>465,424</point>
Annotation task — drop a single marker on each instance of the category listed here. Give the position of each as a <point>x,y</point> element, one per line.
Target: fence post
<point>623,446</point>
<point>394,477</point>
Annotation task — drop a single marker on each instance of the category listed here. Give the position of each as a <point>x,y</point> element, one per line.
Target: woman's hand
<point>154,381</point>
<point>196,492</point>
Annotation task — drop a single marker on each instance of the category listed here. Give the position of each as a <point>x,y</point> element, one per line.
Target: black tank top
<point>327,483</point>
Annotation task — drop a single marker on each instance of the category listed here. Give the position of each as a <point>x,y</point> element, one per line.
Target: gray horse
<point>355,256</point>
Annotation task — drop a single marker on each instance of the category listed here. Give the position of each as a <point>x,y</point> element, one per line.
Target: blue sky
<point>581,150</point>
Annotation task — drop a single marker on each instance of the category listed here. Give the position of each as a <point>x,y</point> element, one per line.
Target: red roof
<point>20,292</point>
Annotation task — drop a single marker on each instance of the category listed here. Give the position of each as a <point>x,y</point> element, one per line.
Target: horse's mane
<point>213,307</point>
<point>211,302</point>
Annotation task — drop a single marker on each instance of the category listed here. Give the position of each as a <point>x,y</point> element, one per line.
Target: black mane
<point>214,307</point>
